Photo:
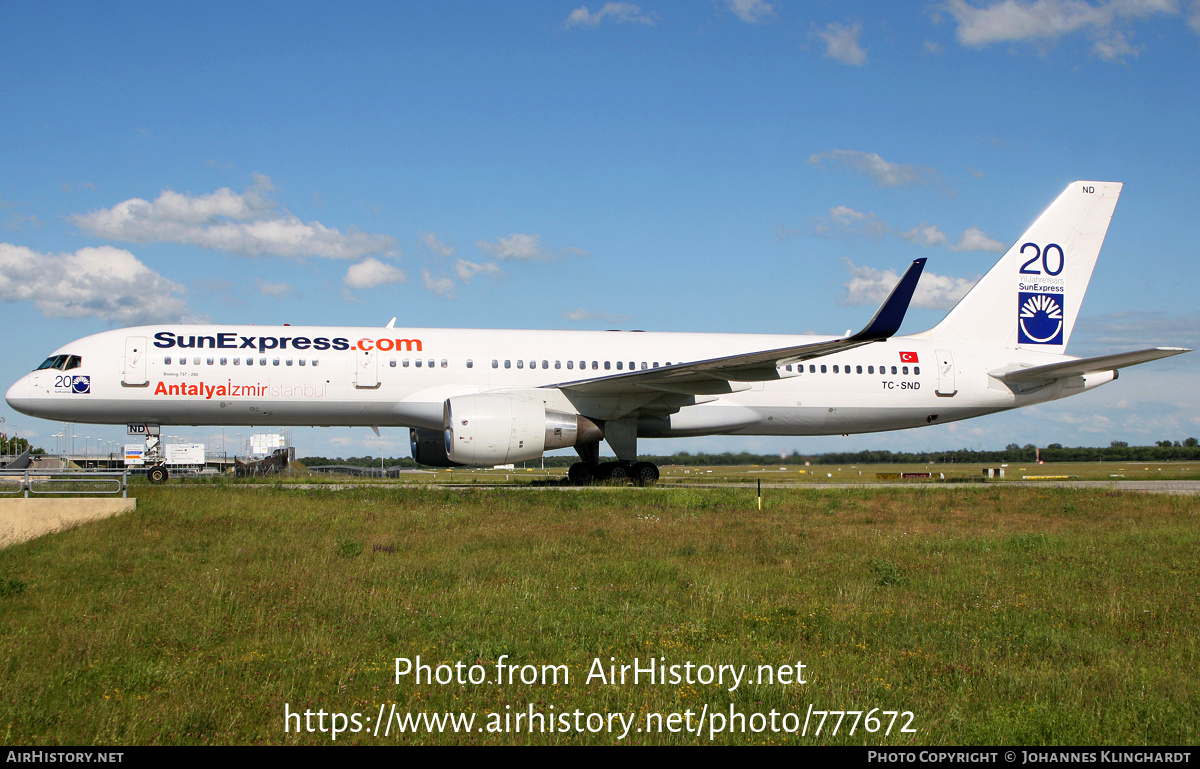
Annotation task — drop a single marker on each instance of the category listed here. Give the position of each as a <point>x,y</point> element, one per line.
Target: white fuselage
<point>288,375</point>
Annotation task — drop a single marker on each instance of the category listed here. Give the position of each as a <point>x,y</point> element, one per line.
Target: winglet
<point>887,319</point>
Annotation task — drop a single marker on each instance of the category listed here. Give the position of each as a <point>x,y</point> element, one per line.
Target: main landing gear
<point>157,474</point>
<point>638,473</point>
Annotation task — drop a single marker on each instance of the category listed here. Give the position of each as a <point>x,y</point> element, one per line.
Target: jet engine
<point>429,448</point>
<point>500,428</point>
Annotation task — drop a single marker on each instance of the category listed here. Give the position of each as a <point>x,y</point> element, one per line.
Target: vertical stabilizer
<point>1031,298</point>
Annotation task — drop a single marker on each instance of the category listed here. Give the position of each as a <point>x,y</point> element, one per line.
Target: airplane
<point>485,397</point>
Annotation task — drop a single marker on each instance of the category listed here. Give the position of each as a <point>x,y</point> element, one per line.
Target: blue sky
<point>739,165</point>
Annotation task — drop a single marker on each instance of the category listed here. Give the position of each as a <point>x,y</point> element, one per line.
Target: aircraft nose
<point>18,396</point>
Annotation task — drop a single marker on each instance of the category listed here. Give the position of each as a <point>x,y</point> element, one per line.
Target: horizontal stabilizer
<point>1081,366</point>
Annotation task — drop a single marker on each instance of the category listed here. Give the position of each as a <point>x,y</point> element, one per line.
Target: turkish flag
<point>908,357</point>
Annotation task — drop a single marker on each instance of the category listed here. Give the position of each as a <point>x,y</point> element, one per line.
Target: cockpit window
<point>61,362</point>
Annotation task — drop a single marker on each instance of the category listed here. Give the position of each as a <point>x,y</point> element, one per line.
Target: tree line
<point>1117,451</point>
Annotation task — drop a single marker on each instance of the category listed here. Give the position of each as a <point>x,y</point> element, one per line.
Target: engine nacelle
<point>429,448</point>
<point>501,428</point>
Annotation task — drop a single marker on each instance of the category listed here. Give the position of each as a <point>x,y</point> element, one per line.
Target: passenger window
<point>557,364</point>
<point>167,360</point>
<point>545,364</point>
<point>262,361</point>
<point>443,363</point>
<point>315,361</point>
<point>520,364</point>
<point>418,362</point>
<point>906,370</point>
<point>237,361</point>
<point>858,369</point>
<point>301,361</point>
<point>431,363</point>
<point>870,369</point>
<point>274,361</point>
<point>224,361</point>
<point>823,368</point>
<point>508,364</point>
<point>404,363</point>
<point>470,363</point>
<point>788,367</point>
<point>620,366</point>
<point>495,363</point>
<point>917,370</point>
<point>249,361</point>
<point>570,364</point>
<point>812,369</point>
<point>607,365</point>
<point>655,364</point>
<point>533,364</point>
<point>835,369</point>
<point>391,363</point>
<point>893,369</point>
<point>643,365</point>
<point>208,361</point>
<point>595,365</point>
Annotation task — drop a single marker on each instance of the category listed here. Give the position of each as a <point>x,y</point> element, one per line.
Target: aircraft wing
<point>714,374</point>
<point>1082,366</point>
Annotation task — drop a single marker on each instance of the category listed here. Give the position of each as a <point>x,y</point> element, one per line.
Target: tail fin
<point>1031,298</point>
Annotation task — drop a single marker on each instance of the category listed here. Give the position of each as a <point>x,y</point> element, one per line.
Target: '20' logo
<point>1044,254</point>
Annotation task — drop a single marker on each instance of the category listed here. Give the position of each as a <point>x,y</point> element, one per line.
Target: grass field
<point>801,475</point>
<point>994,615</point>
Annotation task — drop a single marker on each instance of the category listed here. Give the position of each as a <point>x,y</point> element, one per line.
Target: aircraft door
<point>366,369</point>
<point>135,362</point>
<point>945,363</point>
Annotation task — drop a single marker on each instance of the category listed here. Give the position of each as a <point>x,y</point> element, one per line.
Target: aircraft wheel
<point>157,474</point>
<point>580,474</point>
<point>617,472</point>
<point>645,474</point>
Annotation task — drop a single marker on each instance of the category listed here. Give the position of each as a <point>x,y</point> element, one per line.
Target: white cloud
<point>520,247</point>
<point>884,173</point>
<point>868,285</point>
<point>434,244</point>
<point>581,314</point>
<point>925,234</point>
<point>440,286</point>
<point>370,273</point>
<point>846,221</point>
<point>277,290</point>
<point>466,270</point>
<point>975,239</point>
<point>751,11</point>
<point>841,43</point>
<point>16,222</point>
<point>104,282</point>
<point>1048,20</point>
<point>249,224</point>
<point>621,13</point>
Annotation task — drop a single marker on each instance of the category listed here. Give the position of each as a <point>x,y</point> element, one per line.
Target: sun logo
<point>1040,318</point>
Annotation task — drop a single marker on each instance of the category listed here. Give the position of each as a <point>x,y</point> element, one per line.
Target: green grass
<point>996,615</point>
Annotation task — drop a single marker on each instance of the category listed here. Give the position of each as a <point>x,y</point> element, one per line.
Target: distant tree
<point>1012,447</point>
<point>1191,443</point>
<point>1055,446</point>
<point>1163,444</point>
<point>1119,444</point>
<point>1029,446</point>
